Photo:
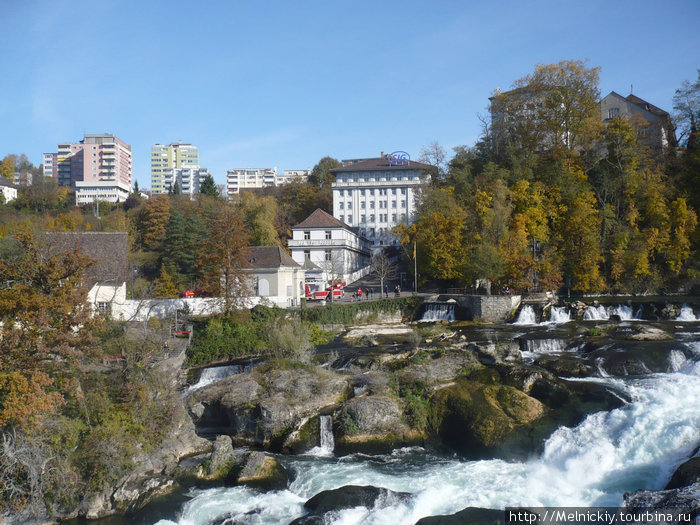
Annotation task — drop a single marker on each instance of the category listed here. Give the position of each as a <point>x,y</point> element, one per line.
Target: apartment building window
<point>371,218</point>
<point>327,255</point>
<point>403,204</point>
<point>393,217</point>
<point>403,191</point>
<point>371,192</point>
<point>349,205</point>
<point>341,204</point>
<point>307,235</point>
<point>342,218</point>
<point>362,205</point>
<point>393,191</point>
<point>362,193</point>
<point>371,204</point>
<point>307,254</point>
<point>349,219</point>
<point>342,193</point>
<point>328,234</point>
<point>393,204</point>
<point>613,112</point>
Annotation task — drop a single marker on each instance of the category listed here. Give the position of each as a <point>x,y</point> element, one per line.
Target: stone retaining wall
<point>491,308</point>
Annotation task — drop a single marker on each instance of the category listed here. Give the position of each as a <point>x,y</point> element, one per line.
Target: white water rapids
<point>636,446</point>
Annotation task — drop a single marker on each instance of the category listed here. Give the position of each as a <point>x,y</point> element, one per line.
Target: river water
<point>593,464</point>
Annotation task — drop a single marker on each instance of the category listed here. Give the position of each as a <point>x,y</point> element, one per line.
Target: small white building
<point>339,250</point>
<point>87,192</point>
<point>275,276</point>
<point>106,279</point>
<point>8,189</point>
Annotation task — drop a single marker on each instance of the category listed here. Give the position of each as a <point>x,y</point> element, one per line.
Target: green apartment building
<point>166,158</point>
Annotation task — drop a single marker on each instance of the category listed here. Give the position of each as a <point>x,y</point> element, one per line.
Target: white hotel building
<point>375,195</point>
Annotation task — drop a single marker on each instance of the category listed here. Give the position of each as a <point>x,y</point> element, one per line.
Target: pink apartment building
<point>98,168</point>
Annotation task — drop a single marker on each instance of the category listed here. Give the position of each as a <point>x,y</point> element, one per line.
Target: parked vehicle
<point>324,295</point>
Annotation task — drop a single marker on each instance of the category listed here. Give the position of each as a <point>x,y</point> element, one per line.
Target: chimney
<point>382,155</point>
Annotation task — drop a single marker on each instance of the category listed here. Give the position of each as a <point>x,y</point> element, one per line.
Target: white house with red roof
<point>336,248</point>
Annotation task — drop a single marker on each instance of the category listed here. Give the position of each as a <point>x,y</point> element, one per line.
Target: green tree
<point>208,186</point>
<point>321,175</point>
<point>259,214</point>
<point>164,286</point>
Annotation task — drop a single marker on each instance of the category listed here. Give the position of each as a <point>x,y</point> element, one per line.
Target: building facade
<point>294,176</point>
<point>8,190</point>
<point>375,195</point>
<point>98,167</point>
<point>336,248</point>
<point>275,276</point>
<point>105,280</point>
<point>188,179</point>
<point>654,126</point>
<point>239,179</point>
<point>50,165</point>
<point>166,158</point>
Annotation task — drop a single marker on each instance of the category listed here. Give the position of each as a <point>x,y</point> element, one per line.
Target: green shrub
<point>291,340</point>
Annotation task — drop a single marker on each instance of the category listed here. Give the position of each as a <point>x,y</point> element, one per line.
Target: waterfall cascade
<point>439,312</point>
<point>526,315</point>
<point>594,313</point>
<point>214,374</point>
<point>559,314</point>
<point>544,346</point>
<point>325,435</point>
<point>686,314</point>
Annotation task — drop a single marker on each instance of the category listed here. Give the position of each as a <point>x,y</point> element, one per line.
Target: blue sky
<point>261,84</point>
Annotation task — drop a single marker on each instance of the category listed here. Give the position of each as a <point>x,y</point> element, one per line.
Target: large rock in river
<point>475,417</point>
<point>262,408</point>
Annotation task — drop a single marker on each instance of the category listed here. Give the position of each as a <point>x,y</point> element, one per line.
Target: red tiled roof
<point>321,219</point>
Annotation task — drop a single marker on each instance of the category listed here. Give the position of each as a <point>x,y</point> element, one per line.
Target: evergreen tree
<point>208,186</point>
<point>163,285</point>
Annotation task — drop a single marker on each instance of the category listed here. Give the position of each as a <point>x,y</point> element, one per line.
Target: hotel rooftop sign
<point>399,158</point>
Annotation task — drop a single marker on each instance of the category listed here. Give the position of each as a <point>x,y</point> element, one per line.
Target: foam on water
<point>636,446</point>
<point>439,312</point>
<point>594,313</point>
<point>526,315</point>
<point>686,314</point>
<point>214,374</point>
<point>559,315</point>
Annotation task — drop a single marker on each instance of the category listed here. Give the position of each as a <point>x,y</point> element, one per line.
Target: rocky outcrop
<point>471,515</point>
<point>685,500</point>
<point>475,418</point>
<point>687,474</point>
<point>152,476</point>
<point>263,408</point>
<point>348,497</point>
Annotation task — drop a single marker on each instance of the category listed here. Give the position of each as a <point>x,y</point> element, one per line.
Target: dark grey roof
<point>109,250</point>
<point>382,164</point>
<point>651,108</point>
<point>321,219</point>
<point>4,181</point>
<point>309,266</point>
<point>269,257</point>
